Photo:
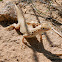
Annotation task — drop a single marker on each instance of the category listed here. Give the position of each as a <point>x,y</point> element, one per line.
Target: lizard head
<point>40,28</point>
<point>45,27</point>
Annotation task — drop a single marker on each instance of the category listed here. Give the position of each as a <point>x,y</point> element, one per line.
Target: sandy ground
<point>13,50</point>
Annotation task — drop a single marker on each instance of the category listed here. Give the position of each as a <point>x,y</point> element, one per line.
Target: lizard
<point>29,29</point>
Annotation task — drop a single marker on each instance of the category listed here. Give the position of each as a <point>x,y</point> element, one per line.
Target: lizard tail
<point>21,20</point>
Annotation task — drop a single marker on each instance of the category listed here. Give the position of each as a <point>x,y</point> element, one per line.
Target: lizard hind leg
<point>13,26</point>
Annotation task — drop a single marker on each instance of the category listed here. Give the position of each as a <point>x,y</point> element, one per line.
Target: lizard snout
<point>45,27</point>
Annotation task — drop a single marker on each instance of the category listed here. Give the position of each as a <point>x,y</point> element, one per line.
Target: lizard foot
<point>23,41</point>
<point>58,54</point>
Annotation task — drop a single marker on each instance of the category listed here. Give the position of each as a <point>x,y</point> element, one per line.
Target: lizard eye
<point>43,28</point>
<point>32,32</point>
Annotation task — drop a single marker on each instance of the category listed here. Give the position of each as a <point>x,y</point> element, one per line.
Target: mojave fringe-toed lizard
<point>29,29</point>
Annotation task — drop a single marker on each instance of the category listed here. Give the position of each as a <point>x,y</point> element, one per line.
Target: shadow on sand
<point>6,23</point>
<point>37,46</point>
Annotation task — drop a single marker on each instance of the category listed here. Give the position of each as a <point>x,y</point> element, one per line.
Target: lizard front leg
<point>24,36</point>
<point>40,37</point>
<point>23,41</point>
